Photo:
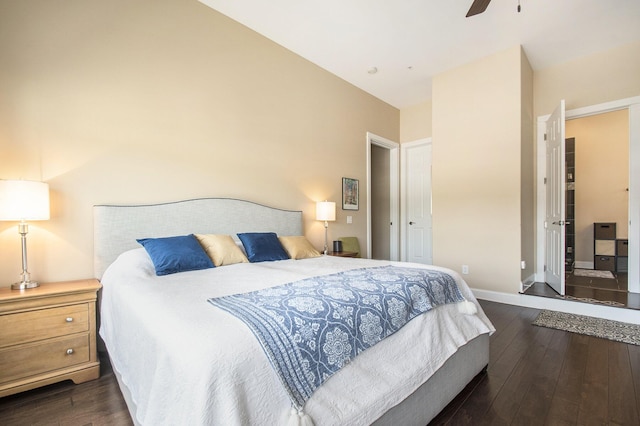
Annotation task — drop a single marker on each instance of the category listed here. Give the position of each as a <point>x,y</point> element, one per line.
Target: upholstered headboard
<point>116,228</point>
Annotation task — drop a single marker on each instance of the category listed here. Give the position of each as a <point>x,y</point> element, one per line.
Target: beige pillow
<point>298,247</point>
<point>222,249</point>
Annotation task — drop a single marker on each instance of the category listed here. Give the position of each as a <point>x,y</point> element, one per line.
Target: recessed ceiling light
<point>372,70</point>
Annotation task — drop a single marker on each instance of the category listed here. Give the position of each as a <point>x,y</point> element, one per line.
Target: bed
<point>181,360</point>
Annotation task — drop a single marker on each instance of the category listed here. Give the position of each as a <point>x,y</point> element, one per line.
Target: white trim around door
<point>394,207</point>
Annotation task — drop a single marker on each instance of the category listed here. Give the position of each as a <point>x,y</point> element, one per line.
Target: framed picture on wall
<point>349,194</point>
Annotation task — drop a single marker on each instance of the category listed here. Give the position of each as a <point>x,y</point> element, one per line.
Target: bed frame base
<point>419,408</point>
<point>443,386</point>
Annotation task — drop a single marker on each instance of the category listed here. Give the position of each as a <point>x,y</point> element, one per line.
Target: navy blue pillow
<point>262,246</point>
<point>176,254</point>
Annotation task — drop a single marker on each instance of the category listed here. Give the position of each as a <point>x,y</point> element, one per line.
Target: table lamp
<point>22,200</point>
<point>326,210</point>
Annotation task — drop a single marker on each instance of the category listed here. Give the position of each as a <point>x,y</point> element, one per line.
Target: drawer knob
<point>69,319</point>
<point>69,351</point>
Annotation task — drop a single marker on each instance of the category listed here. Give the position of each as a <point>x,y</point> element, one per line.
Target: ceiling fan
<point>480,6</point>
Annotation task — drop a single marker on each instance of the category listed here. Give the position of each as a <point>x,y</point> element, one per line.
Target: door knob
<point>410,223</point>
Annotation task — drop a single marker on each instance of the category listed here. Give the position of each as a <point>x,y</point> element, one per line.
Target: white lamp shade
<point>24,200</point>
<point>326,210</point>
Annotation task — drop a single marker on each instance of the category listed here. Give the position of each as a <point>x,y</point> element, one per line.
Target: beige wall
<point>477,135</point>
<point>415,122</point>
<point>145,101</point>
<point>527,172</point>
<point>602,176</point>
<point>601,77</point>
<point>593,79</point>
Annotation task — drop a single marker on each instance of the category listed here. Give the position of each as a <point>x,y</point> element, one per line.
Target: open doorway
<point>630,107</point>
<point>382,198</point>
<point>597,212</point>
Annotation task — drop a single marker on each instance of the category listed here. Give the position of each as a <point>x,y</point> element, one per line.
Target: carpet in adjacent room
<point>593,273</point>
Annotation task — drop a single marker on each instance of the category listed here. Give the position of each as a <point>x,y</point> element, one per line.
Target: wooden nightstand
<point>48,334</point>
<point>343,253</point>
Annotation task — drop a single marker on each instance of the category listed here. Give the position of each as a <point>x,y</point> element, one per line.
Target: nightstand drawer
<point>35,358</point>
<point>42,324</point>
<point>47,335</point>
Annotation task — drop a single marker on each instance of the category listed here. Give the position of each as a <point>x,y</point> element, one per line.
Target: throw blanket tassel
<point>299,418</point>
<point>467,308</point>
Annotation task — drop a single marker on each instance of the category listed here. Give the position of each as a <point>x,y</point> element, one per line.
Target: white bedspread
<point>186,362</point>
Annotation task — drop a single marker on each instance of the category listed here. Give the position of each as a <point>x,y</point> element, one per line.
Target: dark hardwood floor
<point>605,291</point>
<point>541,376</point>
<point>536,376</point>
<point>95,403</point>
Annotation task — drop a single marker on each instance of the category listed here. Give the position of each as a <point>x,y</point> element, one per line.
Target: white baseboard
<point>528,282</point>
<point>583,265</point>
<point>569,306</point>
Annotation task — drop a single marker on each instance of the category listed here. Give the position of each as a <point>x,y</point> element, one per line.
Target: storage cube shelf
<point>570,228</point>
<point>605,247</point>
<point>622,248</point>
<point>622,251</point>
<point>605,263</point>
<point>604,231</point>
<point>609,253</point>
<point>622,264</point>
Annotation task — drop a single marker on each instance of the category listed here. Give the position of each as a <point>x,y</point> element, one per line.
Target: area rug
<point>592,301</point>
<point>592,273</point>
<point>598,327</point>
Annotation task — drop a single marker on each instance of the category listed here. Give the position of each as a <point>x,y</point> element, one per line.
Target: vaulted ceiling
<point>393,48</point>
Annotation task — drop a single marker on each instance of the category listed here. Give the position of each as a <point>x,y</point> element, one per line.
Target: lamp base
<point>24,285</point>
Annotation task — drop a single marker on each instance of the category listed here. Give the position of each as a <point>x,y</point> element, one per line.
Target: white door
<point>417,244</point>
<point>555,200</point>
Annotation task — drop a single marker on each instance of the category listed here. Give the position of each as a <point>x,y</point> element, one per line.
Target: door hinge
<point>545,136</point>
<point>545,268</point>
<point>545,181</point>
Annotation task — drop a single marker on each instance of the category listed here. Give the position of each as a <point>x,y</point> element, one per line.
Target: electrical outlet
<point>523,265</point>
<point>349,219</point>
<point>465,269</point>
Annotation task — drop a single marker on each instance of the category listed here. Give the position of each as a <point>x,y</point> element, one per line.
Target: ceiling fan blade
<point>478,7</point>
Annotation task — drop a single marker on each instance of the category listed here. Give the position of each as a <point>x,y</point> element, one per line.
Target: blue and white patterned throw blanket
<point>311,328</point>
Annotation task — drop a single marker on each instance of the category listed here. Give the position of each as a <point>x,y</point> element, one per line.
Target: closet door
<point>417,245</point>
